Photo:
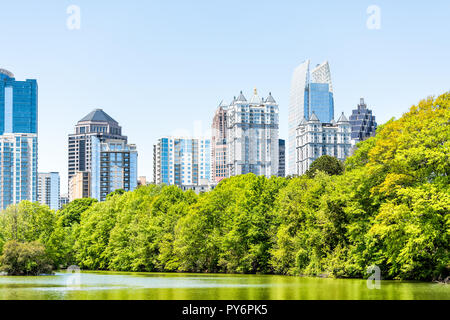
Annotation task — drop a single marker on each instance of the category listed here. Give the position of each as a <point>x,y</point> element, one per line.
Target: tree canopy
<point>389,207</point>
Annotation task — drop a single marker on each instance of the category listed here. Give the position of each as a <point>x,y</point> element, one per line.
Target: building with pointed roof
<point>315,139</point>
<point>97,134</point>
<point>219,143</point>
<point>252,136</point>
<point>363,122</point>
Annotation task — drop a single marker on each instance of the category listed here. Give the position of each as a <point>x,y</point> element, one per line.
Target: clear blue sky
<point>159,66</point>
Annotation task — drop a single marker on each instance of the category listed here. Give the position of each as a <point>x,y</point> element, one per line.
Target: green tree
<point>27,258</point>
<point>327,164</point>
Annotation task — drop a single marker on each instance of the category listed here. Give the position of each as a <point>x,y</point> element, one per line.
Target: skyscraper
<point>113,166</point>
<point>96,124</point>
<point>49,189</point>
<point>18,104</point>
<point>100,160</point>
<point>219,144</point>
<point>18,175</point>
<point>182,161</point>
<point>315,139</point>
<point>252,136</point>
<point>18,139</point>
<point>310,92</point>
<point>282,158</point>
<point>363,122</point>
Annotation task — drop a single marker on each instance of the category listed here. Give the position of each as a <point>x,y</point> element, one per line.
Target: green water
<point>153,286</point>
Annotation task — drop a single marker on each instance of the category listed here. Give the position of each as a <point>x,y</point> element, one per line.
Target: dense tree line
<point>388,205</point>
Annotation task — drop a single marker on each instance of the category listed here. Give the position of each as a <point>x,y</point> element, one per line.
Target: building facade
<point>96,124</point>
<point>49,189</point>
<point>114,166</point>
<point>252,136</point>
<point>219,144</point>
<point>315,139</point>
<point>63,200</point>
<point>362,122</point>
<point>311,91</point>
<point>281,158</point>
<point>142,181</point>
<point>18,171</point>
<point>18,104</point>
<point>182,161</point>
<point>80,185</point>
<point>18,139</point>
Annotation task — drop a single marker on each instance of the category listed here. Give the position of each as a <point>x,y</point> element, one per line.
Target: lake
<point>179,286</point>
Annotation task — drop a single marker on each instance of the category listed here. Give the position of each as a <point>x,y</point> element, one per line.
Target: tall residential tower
<point>100,160</point>
<point>252,136</point>
<point>18,139</point>
<point>310,92</point>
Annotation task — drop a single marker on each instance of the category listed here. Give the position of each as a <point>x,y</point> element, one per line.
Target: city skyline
<point>173,60</point>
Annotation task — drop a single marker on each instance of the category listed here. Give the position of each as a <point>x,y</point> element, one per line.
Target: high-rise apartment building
<point>18,168</point>
<point>182,161</point>
<point>96,124</point>
<point>310,92</point>
<point>281,158</point>
<point>362,122</point>
<point>18,139</point>
<point>113,166</point>
<point>252,136</point>
<point>315,139</point>
<point>49,189</point>
<point>219,144</point>
<point>63,200</point>
<point>100,160</point>
<point>18,104</point>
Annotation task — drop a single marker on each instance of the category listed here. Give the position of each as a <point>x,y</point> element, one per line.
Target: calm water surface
<point>153,286</point>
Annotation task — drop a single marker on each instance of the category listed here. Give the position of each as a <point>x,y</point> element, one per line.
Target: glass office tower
<point>18,139</point>
<point>18,104</point>
<point>363,122</point>
<point>311,92</point>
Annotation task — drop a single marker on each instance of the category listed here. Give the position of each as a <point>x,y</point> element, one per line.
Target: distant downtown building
<point>18,178</point>
<point>219,144</point>
<point>315,139</point>
<point>281,158</point>
<point>18,139</point>
<point>80,185</point>
<point>63,200</point>
<point>96,124</point>
<point>252,136</point>
<point>49,189</point>
<point>100,160</point>
<point>362,122</point>
<point>182,161</point>
<point>113,166</point>
<point>310,92</point>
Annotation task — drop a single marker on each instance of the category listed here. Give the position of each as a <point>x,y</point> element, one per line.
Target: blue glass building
<point>311,92</point>
<point>363,122</point>
<point>321,101</point>
<point>18,139</point>
<point>18,104</point>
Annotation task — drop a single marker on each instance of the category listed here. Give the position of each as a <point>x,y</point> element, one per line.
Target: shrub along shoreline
<point>389,207</point>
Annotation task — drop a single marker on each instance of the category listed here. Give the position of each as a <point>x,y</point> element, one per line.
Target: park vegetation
<point>388,205</point>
